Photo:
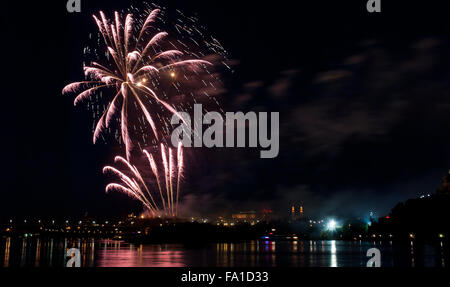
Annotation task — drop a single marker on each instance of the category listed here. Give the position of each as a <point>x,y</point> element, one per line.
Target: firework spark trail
<point>135,172</point>
<point>146,112</point>
<point>171,177</point>
<point>115,186</point>
<point>133,187</point>
<point>180,170</point>
<point>132,69</point>
<point>166,174</point>
<point>124,124</point>
<point>134,184</point>
<point>156,174</point>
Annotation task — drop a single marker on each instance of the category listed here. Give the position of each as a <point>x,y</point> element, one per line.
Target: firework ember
<point>159,199</point>
<point>142,65</point>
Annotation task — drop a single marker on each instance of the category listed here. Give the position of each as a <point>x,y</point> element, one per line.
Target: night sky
<point>364,103</point>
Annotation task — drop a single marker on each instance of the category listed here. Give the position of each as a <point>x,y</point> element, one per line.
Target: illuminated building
<point>244,215</point>
<point>296,214</point>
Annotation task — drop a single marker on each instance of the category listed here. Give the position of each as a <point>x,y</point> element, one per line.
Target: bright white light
<point>331,225</point>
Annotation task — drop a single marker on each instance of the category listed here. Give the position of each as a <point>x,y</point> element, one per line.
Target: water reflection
<point>7,248</point>
<point>333,254</point>
<point>43,252</point>
<point>129,255</point>
<point>38,252</point>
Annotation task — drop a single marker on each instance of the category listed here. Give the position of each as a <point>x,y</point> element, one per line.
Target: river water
<point>40,252</point>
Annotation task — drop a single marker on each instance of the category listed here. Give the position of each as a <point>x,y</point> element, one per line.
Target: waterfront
<point>50,252</point>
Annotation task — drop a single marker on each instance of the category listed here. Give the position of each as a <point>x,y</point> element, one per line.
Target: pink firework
<point>137,65</point>
<point>157,199</point>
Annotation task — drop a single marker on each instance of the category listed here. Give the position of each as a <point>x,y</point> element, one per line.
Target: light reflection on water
<point>320,253</point>
<point>333,254</point>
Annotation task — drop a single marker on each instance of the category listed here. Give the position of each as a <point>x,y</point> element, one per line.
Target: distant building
<point>296,214</point>
<point>267,214</point>
<point>244,215</point>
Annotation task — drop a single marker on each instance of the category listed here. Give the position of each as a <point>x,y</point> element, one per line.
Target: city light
<point>331,225</point>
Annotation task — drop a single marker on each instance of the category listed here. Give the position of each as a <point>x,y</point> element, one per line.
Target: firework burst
<point>141,64</point>
<point>156,192</point>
